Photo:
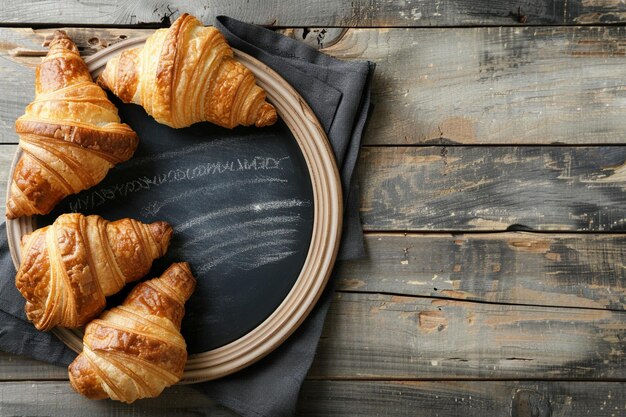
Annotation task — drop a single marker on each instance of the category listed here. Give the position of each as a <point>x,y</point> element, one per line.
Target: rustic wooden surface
<point>319,13</point>
<point>350,398</point>
<point>558,270</point>
<point>495,188</point>
<point>493,283</point>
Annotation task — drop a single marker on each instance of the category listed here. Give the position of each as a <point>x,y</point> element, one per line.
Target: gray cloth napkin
<point>339,94</point>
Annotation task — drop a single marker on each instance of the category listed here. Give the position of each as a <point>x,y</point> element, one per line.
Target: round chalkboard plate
<point>256,212</point>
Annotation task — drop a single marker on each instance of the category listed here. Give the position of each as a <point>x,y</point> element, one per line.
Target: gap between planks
<point>376,379</point>
<point>452,379</point>
<point>466,300</point>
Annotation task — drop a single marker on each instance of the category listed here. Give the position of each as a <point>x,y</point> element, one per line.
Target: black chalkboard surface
<point>241,205</point>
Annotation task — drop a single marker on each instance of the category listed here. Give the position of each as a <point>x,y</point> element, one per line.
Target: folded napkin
<point>339,94</point>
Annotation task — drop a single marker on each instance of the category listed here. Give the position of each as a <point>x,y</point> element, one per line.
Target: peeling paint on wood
<point>582,270</point>
<point>377,336</point>
<point>497,188</point>
<point>493,85</point>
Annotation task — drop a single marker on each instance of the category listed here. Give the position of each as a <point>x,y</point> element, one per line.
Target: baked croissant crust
<point>69,267</point>
<point>187,74</point>
<point>135,350</point>
<point>70,135</point>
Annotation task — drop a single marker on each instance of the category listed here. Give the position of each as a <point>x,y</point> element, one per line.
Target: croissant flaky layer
<point>70,135</point>
<point>187,74</point>
<point>136,350</point>
<point>69,267</point>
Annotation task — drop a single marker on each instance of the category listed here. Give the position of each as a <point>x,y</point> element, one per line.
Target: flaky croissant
<point>136,350</point>
<point>70,135</point>
<point>69,267</point>
<point>187,74</point>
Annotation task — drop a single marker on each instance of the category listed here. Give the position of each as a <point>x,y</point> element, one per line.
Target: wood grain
<point>318,13</point>
<point>477,188</point>
<point>517,268</point>
<point>13,367</point>
<point>376,336</point>
<point>57,399</point>
<point>493,85</point>
<point>347,398</point>
<point>468,399</point>
<point>533,85</point>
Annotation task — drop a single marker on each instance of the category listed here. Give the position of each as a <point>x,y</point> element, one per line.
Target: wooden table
<point>493,182</point>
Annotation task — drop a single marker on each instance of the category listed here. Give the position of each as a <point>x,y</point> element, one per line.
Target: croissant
<point>69,267</point>
<point>70,135</point>
<point>136,350</point>
<point>187,74</point>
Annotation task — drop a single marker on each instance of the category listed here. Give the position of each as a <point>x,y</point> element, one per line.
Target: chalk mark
<point>266,221</point>
<point>253,236</point>
<point>257,207</point>
<point>247,248</point>
<point>267,259</point>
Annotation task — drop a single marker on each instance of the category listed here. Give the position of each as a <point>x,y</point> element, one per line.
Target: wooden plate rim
<point>325,239</point>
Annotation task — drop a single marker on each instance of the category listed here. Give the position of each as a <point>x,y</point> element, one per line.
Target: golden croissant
<point>136,350</point>
<point>69,267</point>
<point>187,74</point>
<point>70,135</point>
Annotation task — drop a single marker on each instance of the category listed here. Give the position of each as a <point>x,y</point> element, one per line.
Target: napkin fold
<point>338,92</point>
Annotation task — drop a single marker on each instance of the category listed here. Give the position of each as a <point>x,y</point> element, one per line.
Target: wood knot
<point>432,320</point>
<point>529,403</point>
<point>519,16</point>
<point>318,38</point>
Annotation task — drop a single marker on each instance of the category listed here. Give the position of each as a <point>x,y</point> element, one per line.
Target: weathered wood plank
<point>57,399</point>
<point>493,85</point>
<point>468,399</point>
<point>319,13</point>
<point>478,188</point>
<point>383,336</point>
<point>475,85</point>
<point>518,268</point>
<point>14,367</point>
<point>346,398</point>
